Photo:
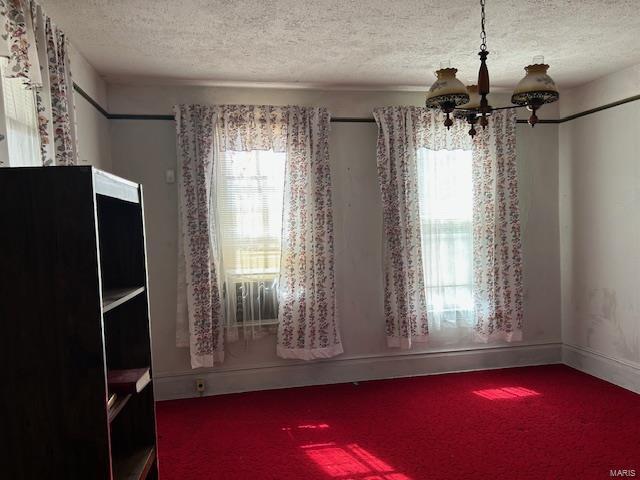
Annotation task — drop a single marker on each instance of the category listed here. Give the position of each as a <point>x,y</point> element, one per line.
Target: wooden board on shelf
<point>112,186</point>
<point>113,297</point>
<point>135,466</point>
<point>117,407</point>
<point>128,380</point>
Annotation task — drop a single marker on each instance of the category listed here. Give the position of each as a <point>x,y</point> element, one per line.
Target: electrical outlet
<point>200,385</point>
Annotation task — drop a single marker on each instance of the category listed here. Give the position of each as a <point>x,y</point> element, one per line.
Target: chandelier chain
<point>483,34</point>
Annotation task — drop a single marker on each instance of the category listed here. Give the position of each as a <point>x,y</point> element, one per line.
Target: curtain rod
<point>133,116</point>
<point>353,119</point>
<point>129,116</point>
<point>372,120</point>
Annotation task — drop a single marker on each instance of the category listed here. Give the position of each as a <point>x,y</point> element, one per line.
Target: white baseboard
<point>356,369</point>
<point>614,371</point>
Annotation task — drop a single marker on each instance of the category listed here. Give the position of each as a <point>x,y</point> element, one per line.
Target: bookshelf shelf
<point>117,296</point>
<point>117,407</point>
<point>71,232</point>
<point>134,466</point>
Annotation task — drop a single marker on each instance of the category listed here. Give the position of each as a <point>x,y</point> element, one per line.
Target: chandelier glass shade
<point>446,93</point>
<point>535,89</point>
<point>447,90</point>
<point>449,94</point>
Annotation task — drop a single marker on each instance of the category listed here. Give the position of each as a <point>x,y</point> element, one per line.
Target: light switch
<point>170,176</point>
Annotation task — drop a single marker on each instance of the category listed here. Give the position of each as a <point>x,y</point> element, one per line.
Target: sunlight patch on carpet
<point>506,393</point>
<point>350,462</point>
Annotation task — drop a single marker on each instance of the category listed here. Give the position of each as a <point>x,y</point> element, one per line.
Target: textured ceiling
<point>347,43</point>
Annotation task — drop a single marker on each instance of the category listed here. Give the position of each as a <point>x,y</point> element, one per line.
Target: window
<point>446,211</point>
<point>22,145</point>
<point>249,194</point>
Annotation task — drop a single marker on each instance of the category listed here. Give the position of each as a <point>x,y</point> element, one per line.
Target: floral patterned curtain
<point>405,305</point>
<point>242,128</point>
<point>497,248</point>
<point>497,254</point>
<point>307,323</point>
<point>37,52</point>
<point>198,283</point>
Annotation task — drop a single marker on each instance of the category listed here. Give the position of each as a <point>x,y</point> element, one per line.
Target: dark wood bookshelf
<point>73,305</point>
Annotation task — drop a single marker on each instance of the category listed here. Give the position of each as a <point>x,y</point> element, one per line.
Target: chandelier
<point>470,103</point>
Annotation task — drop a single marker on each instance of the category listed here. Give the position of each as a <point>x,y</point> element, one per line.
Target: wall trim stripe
<point>599,109</point>
<point>219,381</point>
<point>133,116</point>
<point>612,370</point>
<point>88,98</point>
<point>128,116</point>
<point>169,387</point>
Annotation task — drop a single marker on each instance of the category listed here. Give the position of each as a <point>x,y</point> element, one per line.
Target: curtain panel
<point>37,53</point>
<point>497,248</point>
<point>199,293</point>
<point>405,304</point>
<point>307,322</point>
<point>497,257</point>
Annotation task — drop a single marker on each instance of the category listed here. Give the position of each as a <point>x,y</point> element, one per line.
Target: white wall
<point>143,149</point>
<point>599,156</point>
<point>94,145</point>
<point>608,89</point>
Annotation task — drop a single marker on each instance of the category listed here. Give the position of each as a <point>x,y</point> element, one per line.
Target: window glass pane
<point>249,196</point>
<point>23,141</point>
<point>446,211</point>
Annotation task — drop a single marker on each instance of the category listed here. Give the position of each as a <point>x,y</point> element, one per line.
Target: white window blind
<point>446,211</point>
<point>249,196</point>
<point>21,121</point>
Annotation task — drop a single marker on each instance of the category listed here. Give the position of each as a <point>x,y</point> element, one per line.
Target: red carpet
<point>535,423</point>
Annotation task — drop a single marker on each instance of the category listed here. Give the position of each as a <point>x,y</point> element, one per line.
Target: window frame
<point>459,312</point>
